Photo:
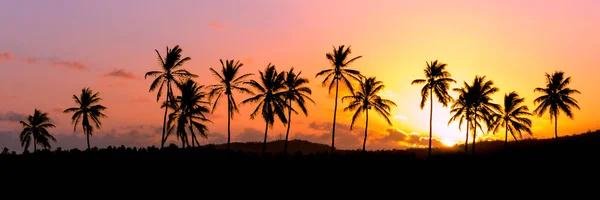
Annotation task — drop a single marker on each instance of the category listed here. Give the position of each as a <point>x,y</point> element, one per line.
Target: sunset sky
<point>50,50</point>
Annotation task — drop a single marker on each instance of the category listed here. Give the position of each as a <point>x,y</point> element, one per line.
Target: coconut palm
<point>88,112</point>
<point>270,96</point>
<point>475,105</point>
<point>230,80</point>
<point>171,70</point>
<point>36,127</point>
<point>512,117</point>
<point>556,97</point>
<point>366,99</point>
<point>339,71</point>
<point>437,81</point>
<point>188,113</point>
<point>298,93</point>
<point>462,112</point>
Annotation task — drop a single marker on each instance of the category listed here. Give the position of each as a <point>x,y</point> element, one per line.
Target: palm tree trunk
<point>287,133</point>
<point>467,139</point>
<point>506,136</point>
<point>163,139</point>
<point>366,128</point>
<point>264,149</point>
<point>88,140</point>
<point>34,145</point>
<point>334,115</point>
<point>555,126</point>
<point>194,140</point>
<point>430,120</point>
<point>228,123</point>
<point>474,137</point>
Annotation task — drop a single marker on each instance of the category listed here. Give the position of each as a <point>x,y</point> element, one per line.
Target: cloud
<point>251,135</point>
<point>120,73</point>
<point>12,116</point>
<point>410,139</point>
<point>214,138</point>
<point>69,65</point>
<point>400,117</point>
<point>31,60</point>
<point>215,25</point>
<point>6,56</point>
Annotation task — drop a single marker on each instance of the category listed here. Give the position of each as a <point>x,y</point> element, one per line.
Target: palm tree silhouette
<point>296,92</point>
<point>437,80</point>
<point>475,105</point>
<point>512,117</point>
<point>366,99</point>
<point>556,97</point>
<point>88,110</point>
<point>170,65</point>
<point>189,109</point>
<point>462,112</point>
<point>339,59</point>
<point>36,127</point>
<point>229,81</point>
<point>270,96</point>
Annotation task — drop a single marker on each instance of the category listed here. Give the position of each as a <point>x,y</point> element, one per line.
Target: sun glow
<point>448,142</point>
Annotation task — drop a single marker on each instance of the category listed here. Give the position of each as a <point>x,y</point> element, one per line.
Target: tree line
<point>273,93</point>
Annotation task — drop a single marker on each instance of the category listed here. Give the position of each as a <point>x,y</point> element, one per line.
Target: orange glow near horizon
<point>47,60</point>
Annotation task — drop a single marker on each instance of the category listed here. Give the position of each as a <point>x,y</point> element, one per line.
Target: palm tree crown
<point>189,109</point>
<point>88,112</point>
<point>437,82</point>
<point>36,127</point>
<point>170,72</point>
<point>556,98</point>
<point>298,93</point>
<point>513,117</point>
<point>230,80</point>
<point>339,59</point>
<point>270,97</point>
<point>366,99</point>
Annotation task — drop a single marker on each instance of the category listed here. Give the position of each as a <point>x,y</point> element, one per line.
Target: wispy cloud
<point>11,116</point>
<point>400,117</point>
<point>120,73</point>
<point>75,65</point>
<point>6,56</point>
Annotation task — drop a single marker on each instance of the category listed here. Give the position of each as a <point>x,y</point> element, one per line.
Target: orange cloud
<point>215,25</point>
<point>69,65</point>
<point>6,56</point>
<point>120,73</point>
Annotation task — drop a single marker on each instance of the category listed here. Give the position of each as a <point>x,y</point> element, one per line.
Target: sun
<point>448,142</point>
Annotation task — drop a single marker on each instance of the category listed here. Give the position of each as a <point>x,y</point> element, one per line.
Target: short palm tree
<point>475,105</point>
<point>170,71</point>
<point>556,97</point>
<point>88,112</point>
<point>188,113</point>
<point>437,81</point>
<point>36,127</point>
<point>512,117</point>
<point>270,96</point>
<point>366,99</point>
<point>298,93</point>
<point>339,71</point>
<point>230,80</point>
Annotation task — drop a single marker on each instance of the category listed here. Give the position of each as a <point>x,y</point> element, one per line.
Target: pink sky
<point>49,50</point>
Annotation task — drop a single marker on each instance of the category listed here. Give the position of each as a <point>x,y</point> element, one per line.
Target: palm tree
<point>462,113</point>
<point>556,97</point>
<point>229,81</point>
<point>437,80</point>
<point>88,110</point>
<point>366,99</point>
<point>270,96</point>
<point>36,127</point>
<point>339,59</point>
<point>170,71</point>
<point>512,117</point>
<point>475,105</point>
<point>297,92</point>
<point>189,109</point>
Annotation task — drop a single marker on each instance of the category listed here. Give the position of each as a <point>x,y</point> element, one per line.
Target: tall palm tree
<point>461,111</point>
<point>556,97</point>
<point>36,127</point>
<point>512,117</point>
<point>297,92</point>
<point>339,71</point>
<point>270,97</point>
<point>437,80</point>
<point>366,99</point>
<point>475,105</point>
<point>189,109</point>
<point>170,71</point>
<point>229,81</point>
<point>88,112</point>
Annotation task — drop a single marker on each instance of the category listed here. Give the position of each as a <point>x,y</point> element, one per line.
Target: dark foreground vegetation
<point>571,157</point>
